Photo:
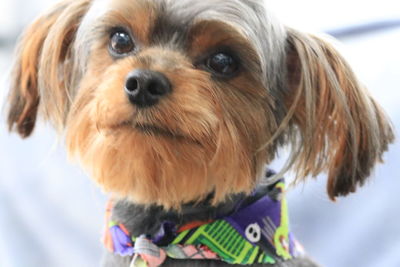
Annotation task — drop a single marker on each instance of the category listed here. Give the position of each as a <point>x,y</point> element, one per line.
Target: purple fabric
<point>256,213</point>
<point>167,231</point>
<point>122,242</point>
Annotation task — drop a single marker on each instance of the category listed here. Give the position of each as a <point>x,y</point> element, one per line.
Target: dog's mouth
<point>155,131</point>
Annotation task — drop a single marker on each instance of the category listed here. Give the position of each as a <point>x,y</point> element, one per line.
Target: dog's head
<point>170,101</point>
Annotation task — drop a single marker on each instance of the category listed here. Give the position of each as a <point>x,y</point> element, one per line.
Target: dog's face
<point>168,101</point>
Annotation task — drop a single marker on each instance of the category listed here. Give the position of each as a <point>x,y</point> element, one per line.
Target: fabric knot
<point>147,254</point>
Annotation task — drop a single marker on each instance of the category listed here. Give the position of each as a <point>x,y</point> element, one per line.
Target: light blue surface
<point>51,215</point>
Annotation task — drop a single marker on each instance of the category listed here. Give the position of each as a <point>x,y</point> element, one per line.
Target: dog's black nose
<point>145,88</point>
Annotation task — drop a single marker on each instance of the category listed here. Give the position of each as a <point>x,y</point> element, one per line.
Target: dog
<point>176,107</point>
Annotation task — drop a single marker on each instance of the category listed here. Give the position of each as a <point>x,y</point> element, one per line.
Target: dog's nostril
<point>132,85</point>
<point>156,88</point>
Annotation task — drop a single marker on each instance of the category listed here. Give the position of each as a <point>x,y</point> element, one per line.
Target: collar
<point>257,231</point>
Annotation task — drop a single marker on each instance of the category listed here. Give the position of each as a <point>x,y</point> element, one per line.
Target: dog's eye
<point>121,43</point>
<point>222,64</point>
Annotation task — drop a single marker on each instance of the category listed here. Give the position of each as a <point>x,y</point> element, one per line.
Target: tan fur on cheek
<point>110,104</point>
<point>247,116</point>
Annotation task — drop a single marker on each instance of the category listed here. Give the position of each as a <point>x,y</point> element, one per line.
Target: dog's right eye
<point>121,43</point>
<point>222,64</point>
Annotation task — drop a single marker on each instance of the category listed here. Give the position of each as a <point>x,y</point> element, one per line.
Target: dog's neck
<point>140,219</point>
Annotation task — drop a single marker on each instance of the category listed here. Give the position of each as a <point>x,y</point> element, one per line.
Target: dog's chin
<point>151,164</point>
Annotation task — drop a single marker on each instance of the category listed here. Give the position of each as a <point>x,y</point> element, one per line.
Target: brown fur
<point>341,128</point>
<point>42,71</point>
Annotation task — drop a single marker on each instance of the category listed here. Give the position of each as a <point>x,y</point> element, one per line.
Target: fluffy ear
<point>41,71</point>
<point>335,125</point>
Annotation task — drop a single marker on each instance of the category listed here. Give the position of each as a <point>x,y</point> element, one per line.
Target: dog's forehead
<point>245,15</point>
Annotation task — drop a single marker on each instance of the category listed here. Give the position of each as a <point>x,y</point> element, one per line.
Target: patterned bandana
<point>255,233</point>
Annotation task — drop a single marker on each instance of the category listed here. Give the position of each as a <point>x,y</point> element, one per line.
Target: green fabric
<point>224,240</point>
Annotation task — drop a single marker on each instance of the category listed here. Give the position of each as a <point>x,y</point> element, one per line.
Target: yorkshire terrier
<point>176,107</point>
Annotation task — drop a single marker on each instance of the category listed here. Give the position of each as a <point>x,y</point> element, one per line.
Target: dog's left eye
<point>121,43</point>
<point>222,64</point>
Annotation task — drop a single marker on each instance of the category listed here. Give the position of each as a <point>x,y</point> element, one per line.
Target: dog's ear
<point>40,75</point>
<point>335,124</point>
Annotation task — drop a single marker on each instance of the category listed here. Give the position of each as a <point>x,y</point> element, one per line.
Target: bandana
<point>257,232</point>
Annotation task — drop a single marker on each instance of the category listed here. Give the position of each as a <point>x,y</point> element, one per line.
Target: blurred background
<point>51,215</point>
